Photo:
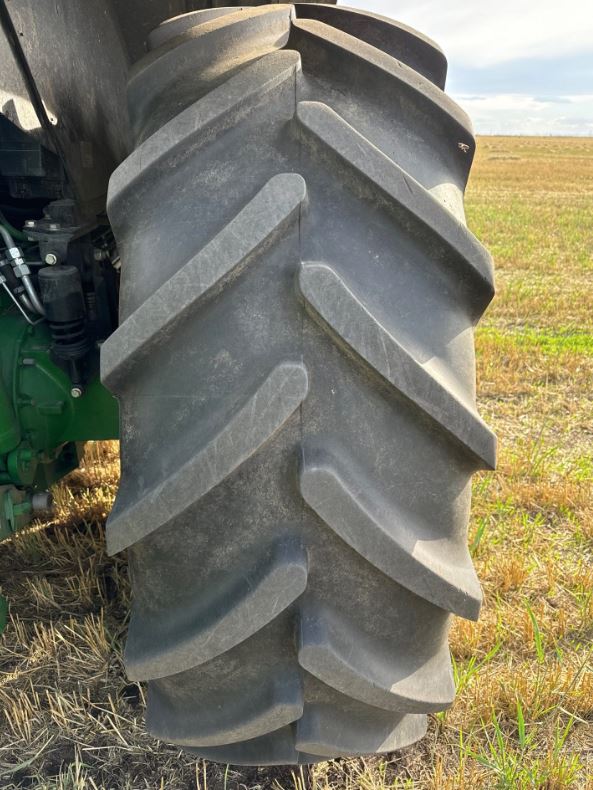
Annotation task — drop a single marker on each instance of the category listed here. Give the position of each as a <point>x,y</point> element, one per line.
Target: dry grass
<point>524,712</point>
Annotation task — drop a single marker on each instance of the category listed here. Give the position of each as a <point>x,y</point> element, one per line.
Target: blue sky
<point>516,66</point>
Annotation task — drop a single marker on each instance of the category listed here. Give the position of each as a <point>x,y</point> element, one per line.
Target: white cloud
<point>504,101</point>
<point>486,33</point>
<point>509,113</point>
<point>494,42</point>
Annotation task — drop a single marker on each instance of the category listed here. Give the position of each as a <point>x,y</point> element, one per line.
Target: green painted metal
<point>16,509</point>
<point>41,423</point>
<point>9,430</point>
<point>46,412</point>
<point>38,414</point>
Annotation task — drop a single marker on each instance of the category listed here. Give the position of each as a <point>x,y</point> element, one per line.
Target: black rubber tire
<point>295,368</point>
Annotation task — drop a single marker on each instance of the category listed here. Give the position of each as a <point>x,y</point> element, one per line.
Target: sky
<point>516,66</point>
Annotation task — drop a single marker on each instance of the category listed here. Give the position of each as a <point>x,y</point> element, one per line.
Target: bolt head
<point>76,392</point>
<point>30,223</point>
<point>51,259</point>
<point>54,226</point>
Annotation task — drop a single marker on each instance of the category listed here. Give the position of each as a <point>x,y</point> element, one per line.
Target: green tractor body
<point>43,418</point>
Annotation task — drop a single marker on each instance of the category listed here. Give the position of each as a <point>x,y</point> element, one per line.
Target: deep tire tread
<point>293,595</point>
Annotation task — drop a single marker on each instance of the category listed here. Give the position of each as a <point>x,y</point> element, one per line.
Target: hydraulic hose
<point>31,300</point>
<point>14,232</point>
<point>32,294</point>
<point>7,237</point>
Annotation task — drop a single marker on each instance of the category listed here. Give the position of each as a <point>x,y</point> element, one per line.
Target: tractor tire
<point>295,369</point>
